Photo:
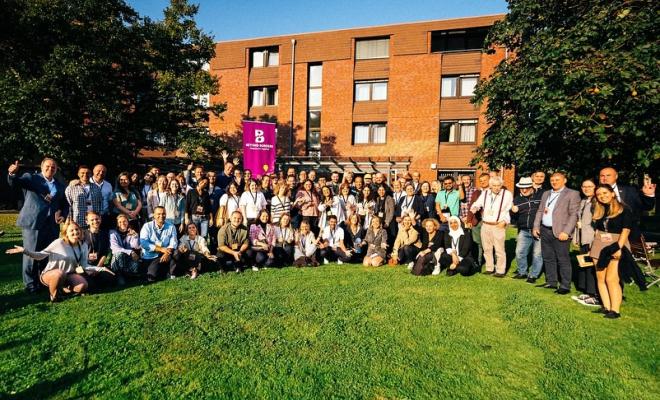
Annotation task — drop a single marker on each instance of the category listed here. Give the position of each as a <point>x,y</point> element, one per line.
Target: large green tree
<point>578,90</point>
<point>91,81</point>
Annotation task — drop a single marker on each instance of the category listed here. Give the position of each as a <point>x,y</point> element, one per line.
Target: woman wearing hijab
<point>457,258</point>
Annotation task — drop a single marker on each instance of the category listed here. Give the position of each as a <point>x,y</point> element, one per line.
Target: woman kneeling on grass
<point>376,241</point>
<point>432,242</point>
<point>67,260</point>
<point>612,221</point>
<point>192,252</point>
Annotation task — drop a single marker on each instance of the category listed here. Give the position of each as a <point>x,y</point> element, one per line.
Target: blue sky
<point>226,20</point>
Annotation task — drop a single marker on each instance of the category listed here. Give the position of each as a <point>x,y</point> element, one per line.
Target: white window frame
<point>456,131</point>
<point>372,131</point>
<point>370,87</point>
<point>458,87</point>
<point>267,57</point>
<point>368,49</point>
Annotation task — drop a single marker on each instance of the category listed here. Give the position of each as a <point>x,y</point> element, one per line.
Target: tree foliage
<point>579,89</point>
<point>92,81</point>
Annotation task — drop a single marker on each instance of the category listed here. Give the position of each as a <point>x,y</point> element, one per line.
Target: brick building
<point>385,98</point>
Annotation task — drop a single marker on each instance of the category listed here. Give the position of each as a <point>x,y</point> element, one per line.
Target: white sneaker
<point>325,261</point>
<point>254,268</point>
<point>340,262</point>
<point>436,270</point>
<point>410,266</point>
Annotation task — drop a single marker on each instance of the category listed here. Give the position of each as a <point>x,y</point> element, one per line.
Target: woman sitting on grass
<point>284,241</point>
<point>67,260</point>
<point>376,241</point>
<point>612,221</point>
<point>432,242</point>
<point>125,248</point>
<point>262,242</point>
<point>305,250</point>
<point>457,257</point>
<point>192,252</point>
<point>405,247</point>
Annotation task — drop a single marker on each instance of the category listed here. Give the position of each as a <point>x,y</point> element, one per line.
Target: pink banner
<point>259,147</point>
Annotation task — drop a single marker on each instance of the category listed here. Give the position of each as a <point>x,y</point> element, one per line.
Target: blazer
<point>565,213</point>
<point>636,200</point>
<point>36,211</point>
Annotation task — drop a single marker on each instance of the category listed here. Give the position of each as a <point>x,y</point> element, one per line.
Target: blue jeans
<point>202,223</point>
<point>524,241</point>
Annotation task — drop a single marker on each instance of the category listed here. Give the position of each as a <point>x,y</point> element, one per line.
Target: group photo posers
<point>91,233</point>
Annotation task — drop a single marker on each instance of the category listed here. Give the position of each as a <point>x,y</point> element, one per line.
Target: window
<point>264,96</point>
<point>372,48</point>
<point>314,102</point>
<point>374,133</point>
<point>464,131</point>
<point>370,90</point>
<point>453,86</point>
<point>467,39</point>
<point>269,57</point>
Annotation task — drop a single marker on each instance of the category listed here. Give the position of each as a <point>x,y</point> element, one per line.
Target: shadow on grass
<point>20,299</point>
<point>51,387</point>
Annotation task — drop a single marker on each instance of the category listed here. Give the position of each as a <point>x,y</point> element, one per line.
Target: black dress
<point>425,264</point>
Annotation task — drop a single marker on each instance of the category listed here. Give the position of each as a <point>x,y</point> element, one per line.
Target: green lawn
<point>338,331</point>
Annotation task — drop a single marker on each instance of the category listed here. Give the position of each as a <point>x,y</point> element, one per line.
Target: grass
<point>332,332</point>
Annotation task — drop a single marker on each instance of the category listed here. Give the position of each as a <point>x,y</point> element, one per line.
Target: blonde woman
<point>376,241</point>
<point>305,248</point>
<point>406,244</point>
<point>67,260</point>
<point>156,196</point>
<point>612,221</point>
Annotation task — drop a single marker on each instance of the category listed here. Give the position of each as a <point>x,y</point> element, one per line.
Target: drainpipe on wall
<point>293,74</point>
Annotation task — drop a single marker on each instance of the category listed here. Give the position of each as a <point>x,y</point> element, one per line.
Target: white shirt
<point>549,206</point>
<point>494,205</point>
<point>253,203</point>
<point>333,236</point>
<point>230,203</point>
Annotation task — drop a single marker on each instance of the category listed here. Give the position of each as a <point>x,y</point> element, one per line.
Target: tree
<point>91,81</point>
<point>579,89</point>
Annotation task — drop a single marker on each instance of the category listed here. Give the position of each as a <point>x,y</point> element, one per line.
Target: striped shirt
<point>279,206</point>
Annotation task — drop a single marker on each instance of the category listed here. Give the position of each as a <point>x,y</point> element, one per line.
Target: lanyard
<point>235,236</point>
<point>191,244</point>
<point>605,223</point>
<point>254,198</point>
<point>285,234</point>
<point>91,240</point>
<point>552,199</point>
<point>76,255</point>
<point>235,198</point>
<point>302,243</point>
<point>332,237</point>
<point>406,205</point>
<point>454,244</point>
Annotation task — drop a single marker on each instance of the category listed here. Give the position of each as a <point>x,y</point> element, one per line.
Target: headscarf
<point>455,234</point>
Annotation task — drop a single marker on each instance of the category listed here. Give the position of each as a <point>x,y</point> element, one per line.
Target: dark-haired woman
<point>126,200</point>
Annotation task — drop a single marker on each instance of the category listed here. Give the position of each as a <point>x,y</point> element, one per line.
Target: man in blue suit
<point>43,210</point>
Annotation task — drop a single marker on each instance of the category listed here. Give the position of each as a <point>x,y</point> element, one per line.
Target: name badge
<point>191,257</point>
<point>159,243</point>
<point>606,237</point>
<point>490,213</point>
<point>447,215</point>
<point>381,214</point>
<point>92,257</point>
<point>200,209</point>
<point>234,246</point>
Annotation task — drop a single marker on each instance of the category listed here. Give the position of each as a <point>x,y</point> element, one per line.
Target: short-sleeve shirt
<point>617,224</point>
<point>333,237</point>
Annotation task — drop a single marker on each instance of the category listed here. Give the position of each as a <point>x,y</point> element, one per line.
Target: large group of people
<point>182,223</point>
